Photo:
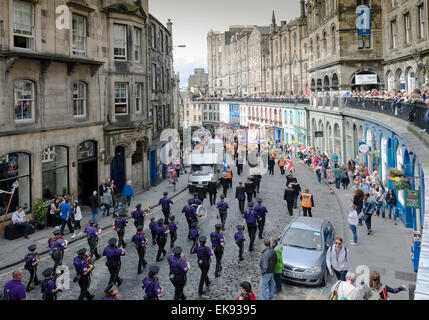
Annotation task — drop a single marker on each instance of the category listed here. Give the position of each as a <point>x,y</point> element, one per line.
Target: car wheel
<point>325,278</point>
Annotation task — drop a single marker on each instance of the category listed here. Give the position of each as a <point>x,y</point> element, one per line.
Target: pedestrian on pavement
<point>365,186</point>
<point>289,196</point>
<point>337,175</point>
<point>249,188</point>
<point>281,164</point>
<point>31,261</point>
<point>225,183</point>
<point>261,213</point>
<point>161,233</point>
<point>271,164</point>
<point>112,293</point>
<point>165,203</point>
<point>307,202</point>
<point>358,202</point>
<point>190,213</point>
<point>113,261</point>
<point>83,274</point>
<point>204,255</point>
<point>239,240</point>
<point>337,259</point>
<point>368,209</point>
<point>139,215</point>
<point>380,201</point>
<point>93,232</point>
<point>193,234</point>
<point>250,218</point>
<point>66,216</point>
<point>152,226</point>
<point>318,172</point>
<point>119,226</point>
<point>57,244</point>
<point>353,219</point>
<point>297,188</point>
<point>19,221</point>
<point>229,176</point>
<point>240,196</point>
<point>380,290</point>
<point>222,206</point>
<point>107,202</point>
<point>212,190</point>
<point>48,288</point>
<point>179,267</point>
<point>345,180</point>
<point>391,205</point>
<point>102,188</point>
<point>93,204</point>
<point>128,192</point>
<point>346,290</point>
<point>268,267</point>
<point>151,286</point>
<point>218,243</point>
<point>140,242</point>
<point>172,228</point>
<point>246,291</point>
<point>279,266</point>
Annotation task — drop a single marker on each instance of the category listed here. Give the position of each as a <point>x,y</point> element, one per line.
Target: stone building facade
<point>75,101</point>
<point>191,111</point>
<point>406,46</point>
<point>198,82</point>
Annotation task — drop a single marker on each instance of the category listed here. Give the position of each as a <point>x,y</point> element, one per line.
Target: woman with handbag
<point>391,205</point>
<point>368,208</point>
<point>380,291</point>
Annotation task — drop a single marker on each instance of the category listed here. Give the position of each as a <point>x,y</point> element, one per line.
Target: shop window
<point>55,168</point>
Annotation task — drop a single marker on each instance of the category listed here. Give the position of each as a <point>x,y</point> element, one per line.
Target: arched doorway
<point>55,172</point>
<point>367,83</point>
<point>117,168</point>
<point>87,170</point>
<point>137,166</point>
<point>337,142</point>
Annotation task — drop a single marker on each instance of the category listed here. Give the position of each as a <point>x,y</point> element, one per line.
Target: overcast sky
<point>192,19</point>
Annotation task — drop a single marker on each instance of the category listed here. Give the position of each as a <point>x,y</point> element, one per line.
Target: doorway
<point>117,168</point>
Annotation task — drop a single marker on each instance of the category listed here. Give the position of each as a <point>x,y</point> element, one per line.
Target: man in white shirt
<point>18,219</point>
<point>346,290</point>
<point>337,259</point>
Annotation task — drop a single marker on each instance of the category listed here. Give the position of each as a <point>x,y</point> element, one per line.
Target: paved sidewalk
<point>387,250</point>
<point>13,251</point>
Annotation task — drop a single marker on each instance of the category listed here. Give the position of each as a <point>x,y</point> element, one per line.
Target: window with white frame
<point>119,42</point>
<point>79,35</point>
<point>137,44</point>
<point>121,98</point>
<point>24,100</point>
<point>79,99</point>
<point>394,32</point>
<point>139,97</point>
<point>154,78</point>
<point>23,25</point>
<point>407,25</point>
<point>421,15</point>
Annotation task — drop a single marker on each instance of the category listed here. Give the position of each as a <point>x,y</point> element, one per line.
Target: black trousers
<point>225,190</point>
<point>141,250</point>
<point>205,267</point>
<point>194,243</point>
<point>282,170</point>
<point>257,186</point>
<point>121,233</point>
<point>271,170</point>
<point>251,229</point>
<point>240,249</point>
<point>290,207</point>
<point>69,225</point>
<point>33,276</point>
<point>305,211</point>
<point>161,244</point>
<point>84,283</point>
<point>57,256</point>
<point>218,252</point>
<point>223,215</point>
<point>179,282</point>
<point>190,220</point>
<point>249,196</point>
<point>114,269</point>
<point>93,242</point>
<point>295,202</point>
<point>239,169</point>
<point>241,205</point>
<point>138,223</point>
<point>261,225</point>
<point>212,198</point>
<point>153,236</point>
<point>166,212</point>
<point>173,238</point>
<point>230,182</point>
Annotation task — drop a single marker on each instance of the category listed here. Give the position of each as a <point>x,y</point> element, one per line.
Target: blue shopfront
<point>234,112</point>
<point>158,170</point>
<point>395,152</point>
<point>278,134</point>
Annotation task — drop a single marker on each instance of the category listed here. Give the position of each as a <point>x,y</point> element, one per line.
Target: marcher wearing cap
<point>218,242</point>
<point>222,206</point>
<point>113,261</point>
<point>239,240</point>
<point>57,245</point>
<point>261,212</point>
<point>250,219</point>
<point>193,234</point>
<point>93,232</point>
<point>247,293</point>
<point>240,195</point>
<point>140,242</point>
<point>190,213</point>
<point>165,204</point>
<point>151,286</point>
<point>225,184</point>
<point>138,215</point>
<point>83,274</point>
<point>48,287</point>
<point>172,228</point>
<point>178,269</point>
<point>204,255</point>
<point>31,261</point>
<point>161,233</point>
<point>119,225</point>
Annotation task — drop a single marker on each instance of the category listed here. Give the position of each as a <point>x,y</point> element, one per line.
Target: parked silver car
<point>305,243</point>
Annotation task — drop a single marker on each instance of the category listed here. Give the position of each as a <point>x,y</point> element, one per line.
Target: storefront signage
<point>412,199</point>
<point>363,147</point>
<point>363,23</point>
<point>362,79</point>
<point>318,134</point>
